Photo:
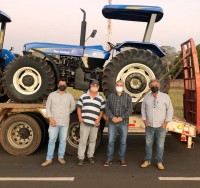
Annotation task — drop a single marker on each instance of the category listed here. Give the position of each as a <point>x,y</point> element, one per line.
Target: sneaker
<point>80,162</point>
<point>107,163</point>
<point>46,163</point>
<point>122,163</point>
<point>160,166</point>
<point>61,161</point>
<point>91,160</point>
<point>145,164</point>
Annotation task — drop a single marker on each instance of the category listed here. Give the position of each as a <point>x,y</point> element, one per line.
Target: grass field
<point>176,95</point>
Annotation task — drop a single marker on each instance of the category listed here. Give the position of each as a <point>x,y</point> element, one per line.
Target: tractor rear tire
<point>28,79</point>
<point>20,135</point>
<point>135,67</point>
<point>3,96</point>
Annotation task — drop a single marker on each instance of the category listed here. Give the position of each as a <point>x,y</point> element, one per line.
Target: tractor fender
<point>51,63</point>
<point>141,45</point>
<point>7,56</point>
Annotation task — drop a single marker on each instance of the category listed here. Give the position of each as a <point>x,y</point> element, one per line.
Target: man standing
<point>157,111</point>
<point>90,108</point>
<point>59,105</point>
<point>118,109</point>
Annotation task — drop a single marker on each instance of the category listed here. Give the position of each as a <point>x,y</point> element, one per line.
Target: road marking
<point>37,178</point>
<point>179,178</point>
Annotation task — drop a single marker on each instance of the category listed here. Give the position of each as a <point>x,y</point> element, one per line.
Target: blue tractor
<point>30,78</point>
<point>6,56</point>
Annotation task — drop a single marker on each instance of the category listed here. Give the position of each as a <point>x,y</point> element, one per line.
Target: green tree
<point>176,69</point>
<point>198,53</point>
<point>180,76</point>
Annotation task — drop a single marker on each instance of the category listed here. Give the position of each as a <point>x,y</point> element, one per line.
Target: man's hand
<point>164,125</point>
<point>119,119</point>
<point>115,120</point>
<point>52,122</point>
<point>146,122</point>
<point>96,123</point>
<point>80,120</point>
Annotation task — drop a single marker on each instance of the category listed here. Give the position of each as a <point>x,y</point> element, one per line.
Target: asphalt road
<point>178,160</point>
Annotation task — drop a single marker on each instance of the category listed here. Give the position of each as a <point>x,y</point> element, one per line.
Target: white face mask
<point>119,88</point>
<point>94,89</point>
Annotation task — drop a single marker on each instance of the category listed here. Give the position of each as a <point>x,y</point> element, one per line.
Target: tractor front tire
<point>28,79</point>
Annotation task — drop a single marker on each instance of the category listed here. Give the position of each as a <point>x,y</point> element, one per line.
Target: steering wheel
<point>112,46</point>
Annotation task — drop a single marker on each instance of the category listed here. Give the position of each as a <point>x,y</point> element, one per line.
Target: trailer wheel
<point>20,135</point>
<point>43,126</point>
<point>135,68</point>
<point>73,136</point>
<point>28,79</point>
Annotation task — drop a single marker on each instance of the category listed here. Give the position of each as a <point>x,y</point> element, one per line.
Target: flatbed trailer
<point>24,127</point>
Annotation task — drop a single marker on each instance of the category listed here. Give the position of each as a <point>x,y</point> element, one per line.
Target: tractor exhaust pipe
<point>83,29</point>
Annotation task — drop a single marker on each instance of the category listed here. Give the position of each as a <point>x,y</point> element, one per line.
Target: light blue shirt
<point>157,110</point>
<point>59,107</point>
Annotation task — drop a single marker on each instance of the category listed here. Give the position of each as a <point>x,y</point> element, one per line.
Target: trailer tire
<point>28,79</point>
<point>43,126</point>
<point>73,136</point>
<point>20,135</point>
<point>135,67</point>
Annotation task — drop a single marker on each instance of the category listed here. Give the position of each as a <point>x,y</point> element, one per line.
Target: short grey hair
<point>119,81</point>
<point>154,80</point>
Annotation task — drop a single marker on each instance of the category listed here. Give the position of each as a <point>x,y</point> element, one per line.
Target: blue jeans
<point>113,130</point>
<point>53,135</point>
<point>159,134</point>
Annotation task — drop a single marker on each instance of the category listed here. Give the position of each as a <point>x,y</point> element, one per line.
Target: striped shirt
<point>157,110</point>
<point>119,106</point>
<point>90,107</point>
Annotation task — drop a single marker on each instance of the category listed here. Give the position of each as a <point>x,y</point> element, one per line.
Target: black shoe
<point>107,163</point>
<point>122,163</point>
<point>80,162</point>
<point>91,160</point>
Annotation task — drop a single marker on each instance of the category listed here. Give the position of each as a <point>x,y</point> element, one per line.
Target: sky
<point>60,22</point>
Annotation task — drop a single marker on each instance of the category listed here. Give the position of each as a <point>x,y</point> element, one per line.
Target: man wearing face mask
<point>118,109</point>
<point>157,111</point>
<point>59,105</point>
<point>90,108</point>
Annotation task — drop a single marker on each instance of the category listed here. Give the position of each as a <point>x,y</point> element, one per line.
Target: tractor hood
<point>68,50</point>
<point>137,13</point>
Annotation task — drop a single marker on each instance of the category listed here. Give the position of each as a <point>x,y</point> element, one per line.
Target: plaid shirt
<point>119,106</point>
